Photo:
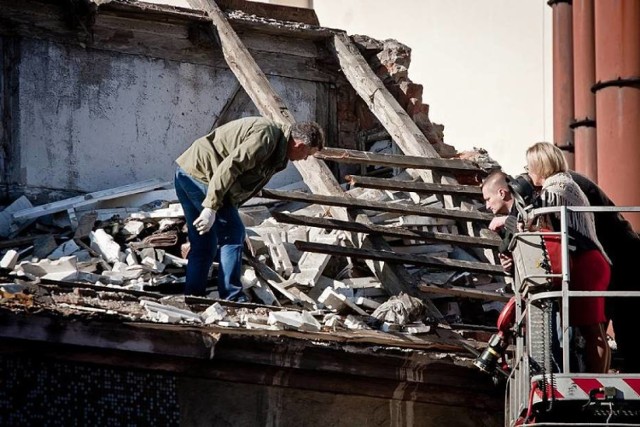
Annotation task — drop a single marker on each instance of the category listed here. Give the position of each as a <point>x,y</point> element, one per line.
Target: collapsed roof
<point>402,259</point>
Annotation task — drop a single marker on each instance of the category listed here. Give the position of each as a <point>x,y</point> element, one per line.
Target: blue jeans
<point>224,241</point>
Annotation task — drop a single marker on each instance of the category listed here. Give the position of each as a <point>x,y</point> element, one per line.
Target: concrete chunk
<point>338,302</point>
<point>60,269</point>
<point>417,328</point>
<point>332,300</point>
<point>8,225</point>
<point>312,265</point>
<point>229,324</point>
<point>133,228</point>
<point>153,265</point>
<point>104,244</point>
<point>289,319</point>
<point>173,314</point>
<point>295,320</point>
<point>9,259</point>
<point>367,303</point>
<point>67,248</point>
<point>352,322</point>
<point>214,313</point>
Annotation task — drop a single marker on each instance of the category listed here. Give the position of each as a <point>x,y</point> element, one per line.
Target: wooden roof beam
<point>314,172</point>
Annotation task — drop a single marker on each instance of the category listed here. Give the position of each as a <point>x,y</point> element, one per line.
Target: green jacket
<point>237,159</point>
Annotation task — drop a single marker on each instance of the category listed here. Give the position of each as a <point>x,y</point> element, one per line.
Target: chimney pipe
<point>584,125</point>
<point>617,89</point>
<point>563,77</point>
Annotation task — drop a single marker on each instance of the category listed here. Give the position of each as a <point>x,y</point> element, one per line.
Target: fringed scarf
<point>561,190</point>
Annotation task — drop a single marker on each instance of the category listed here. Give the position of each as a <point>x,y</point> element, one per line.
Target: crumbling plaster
<point>91,120</point>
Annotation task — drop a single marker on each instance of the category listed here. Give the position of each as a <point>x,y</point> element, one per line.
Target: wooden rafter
<point>412,186</point>
<point>314,172</point>
<point>350,202</point>
<point>397,232</point>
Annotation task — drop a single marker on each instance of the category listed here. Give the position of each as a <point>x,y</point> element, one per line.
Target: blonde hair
<point>545,159</point>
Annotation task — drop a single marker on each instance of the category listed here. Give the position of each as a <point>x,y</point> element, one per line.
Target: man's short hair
<point>310,133</point>
<point>496,180</point>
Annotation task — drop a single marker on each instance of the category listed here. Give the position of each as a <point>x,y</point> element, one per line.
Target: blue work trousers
<point>223,242</point>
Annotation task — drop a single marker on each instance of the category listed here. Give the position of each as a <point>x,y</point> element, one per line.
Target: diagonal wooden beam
<point>383,105</point>
<point>314,172</point>
<point>405,133</point>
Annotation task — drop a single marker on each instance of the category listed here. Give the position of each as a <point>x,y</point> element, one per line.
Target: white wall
<point>485,65</point>
<point>91,119</point>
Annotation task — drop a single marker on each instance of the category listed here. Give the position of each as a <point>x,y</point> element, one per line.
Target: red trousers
<point>589,271</point>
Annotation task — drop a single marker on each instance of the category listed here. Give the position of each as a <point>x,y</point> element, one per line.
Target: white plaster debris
<point>66,249</point>
<point>417,328</point>
<point>64,268</point>
<point>153,265</point>
<point>104,244</point>
<point>338,302</point>
<point>351,322</point>
<point>9,259</point>
<point>229,324</point>
<point>130,257</point>
<point>302,321</point>
<point>169,314</point>
<point>173,211</point>
<point>133,228</point>
<point>214,313</point>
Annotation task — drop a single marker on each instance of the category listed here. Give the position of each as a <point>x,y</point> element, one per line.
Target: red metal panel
<point>617,25</point>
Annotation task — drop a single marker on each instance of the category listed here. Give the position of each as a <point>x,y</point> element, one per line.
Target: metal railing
<point>518,391</point>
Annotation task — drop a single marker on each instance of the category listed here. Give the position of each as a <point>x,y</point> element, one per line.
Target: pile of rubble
<point>126,255</point>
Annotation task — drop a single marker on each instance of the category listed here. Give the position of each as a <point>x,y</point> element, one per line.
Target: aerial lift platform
<point>542,389</point>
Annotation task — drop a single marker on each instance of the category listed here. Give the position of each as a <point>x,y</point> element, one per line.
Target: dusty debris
<point>131,240</point>
<point>400,310</point>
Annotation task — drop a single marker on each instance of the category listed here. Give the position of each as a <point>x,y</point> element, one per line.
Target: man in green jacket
<point>216,175</point>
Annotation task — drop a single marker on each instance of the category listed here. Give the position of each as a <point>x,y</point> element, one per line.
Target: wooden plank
<point>21,241</point>
<point>383,105</point>
<point>350,202</point>
<point>237,103</point>
<point>413,186</point>
<point>341,155</point>
<point>74,202</point>
<point>400,232</point>
<point>405,133</point>
<point>429,261</point>
<point>166,34</point>
<point>272,278</point>
<point>457,291</point>
<point>314,172</point>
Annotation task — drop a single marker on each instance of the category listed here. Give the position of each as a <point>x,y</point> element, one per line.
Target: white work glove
<point>205,221</point>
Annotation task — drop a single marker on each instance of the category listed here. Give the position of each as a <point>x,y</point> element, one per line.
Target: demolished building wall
<point>331,310</point>
<point>84,115</point>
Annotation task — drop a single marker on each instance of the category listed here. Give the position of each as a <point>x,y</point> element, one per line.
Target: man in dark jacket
<point>622,245</point>
<point>216,175</point>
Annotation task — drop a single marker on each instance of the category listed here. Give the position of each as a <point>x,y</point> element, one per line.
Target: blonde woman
<point>589,265</point>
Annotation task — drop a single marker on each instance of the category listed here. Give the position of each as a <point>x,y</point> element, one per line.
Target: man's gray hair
<point>310,133</point>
